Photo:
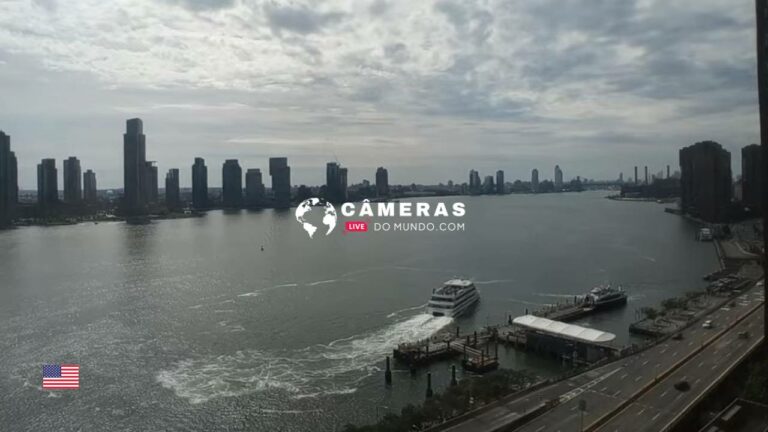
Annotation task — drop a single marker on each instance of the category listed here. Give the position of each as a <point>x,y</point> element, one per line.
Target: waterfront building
<point>335,183</point>
<point>172,190</point>
<point>488,186</point>
<point>706,183</point>
<point>499,182</point>
<point>474,181</point>
<point>47,184</point>
<point>134,167</point>
<point>751,176</point>
<point>232,184</point>
<point>535,180</point>
<point>199,184</point>
<point>73,186</point>
<point>254,188</point>
<point>558,178</point>
<point>89,187</point>
<point>281,181</point>
<point>382,182</point>
<point>151,182</point>
<point>9,188</point>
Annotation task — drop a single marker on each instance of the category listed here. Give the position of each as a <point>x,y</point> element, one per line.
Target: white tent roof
<point>563,329</point>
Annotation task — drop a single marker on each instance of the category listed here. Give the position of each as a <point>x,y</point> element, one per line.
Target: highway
<point>660,407</point>
<point>606,388</point>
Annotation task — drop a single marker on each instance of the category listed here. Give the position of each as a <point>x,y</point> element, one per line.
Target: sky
<point>429,89</point>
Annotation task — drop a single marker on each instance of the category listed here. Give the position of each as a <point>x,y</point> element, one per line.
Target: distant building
<point>254,188</point>
<point>151,182</point>
<point>636,179</point>
<point>474,182</point>
<point>134,167</point>
<point>535,180</point>
<point>232,184</point>
<point>646,174</point>
<point>73,187</point>
<point>172,190</point>
<point>199,184</point>
<point>9,188</point>
<point>499,182</point>
<point>382,182</point>
<point>281,181</point>
<point>488,187</point>
<point>335,183</point>
<point>751,176</point>
<point>89,187</point>
<point>47,184</point>
<point>558,178</point>
<point>706,182</point>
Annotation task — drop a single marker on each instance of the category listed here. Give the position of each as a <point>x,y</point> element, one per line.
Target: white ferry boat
<point>455,297</point>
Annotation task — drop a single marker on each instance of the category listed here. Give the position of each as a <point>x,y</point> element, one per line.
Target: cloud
<point>299,19</point>
<point>509,80</point>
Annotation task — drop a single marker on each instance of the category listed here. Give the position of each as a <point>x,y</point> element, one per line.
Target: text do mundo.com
<point>362,226</point>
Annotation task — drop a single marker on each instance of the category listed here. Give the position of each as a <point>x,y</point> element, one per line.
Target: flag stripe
<point>61,377</point>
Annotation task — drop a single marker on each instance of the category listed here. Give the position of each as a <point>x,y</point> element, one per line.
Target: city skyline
<point>367,82</point>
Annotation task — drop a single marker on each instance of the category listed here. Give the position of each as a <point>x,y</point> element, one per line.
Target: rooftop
<point>565,330</point>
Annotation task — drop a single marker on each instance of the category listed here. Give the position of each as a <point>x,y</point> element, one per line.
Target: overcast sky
<point>429,89</point>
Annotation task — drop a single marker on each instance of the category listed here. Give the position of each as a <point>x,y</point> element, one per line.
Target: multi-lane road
<point>607,390</point>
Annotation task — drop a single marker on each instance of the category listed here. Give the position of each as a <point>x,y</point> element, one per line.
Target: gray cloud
<point>299,19</point>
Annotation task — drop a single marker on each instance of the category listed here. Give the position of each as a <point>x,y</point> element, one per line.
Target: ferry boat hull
<point>455,298</point>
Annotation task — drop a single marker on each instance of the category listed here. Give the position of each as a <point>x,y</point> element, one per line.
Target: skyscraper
<point>499,182</point>
<point>636,180</point>
<point>151,182</point>
<point>333,191</point>
<point>474,181</point>
<point>232,184</point>
<point>382,182</point>
<point>751,176</point>
<point>172,192</point>
<point>646,174</point>
<point>535,180</point>
<point>73,187</point>
<point>9,190</point>
<point>281,181</point>
<point>488,187</point>
<point>199,184</point>
<point>706,181</point>
<point>89,187</point>
<point>134,167</point>
<point>558,178</point>
<point>47,184</point>
<point>254,188</point>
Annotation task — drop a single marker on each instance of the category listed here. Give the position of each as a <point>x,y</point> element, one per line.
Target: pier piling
<point>429,385</point>
<point>454,383</point>
<point>388,374</point>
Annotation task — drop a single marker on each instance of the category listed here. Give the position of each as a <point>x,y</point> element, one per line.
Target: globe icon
<point>303,209</point>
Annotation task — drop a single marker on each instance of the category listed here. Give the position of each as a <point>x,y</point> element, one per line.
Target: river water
<point>189,325</point>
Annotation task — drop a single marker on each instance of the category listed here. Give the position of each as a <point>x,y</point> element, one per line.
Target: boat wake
<point>315,371</point>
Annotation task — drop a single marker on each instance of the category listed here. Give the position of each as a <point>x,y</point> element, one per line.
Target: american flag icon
<point>61,376</point>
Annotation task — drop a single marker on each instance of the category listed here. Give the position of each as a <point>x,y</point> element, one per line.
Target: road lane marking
<point>540,429</point>
<point>674,354</point>
<point>617,393</point>
<point>645,362</point>
<point>641,411</point>
<point>656,416</point>
<point>638,378</point>
<point>665,393</point>
<point>623,376</point>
